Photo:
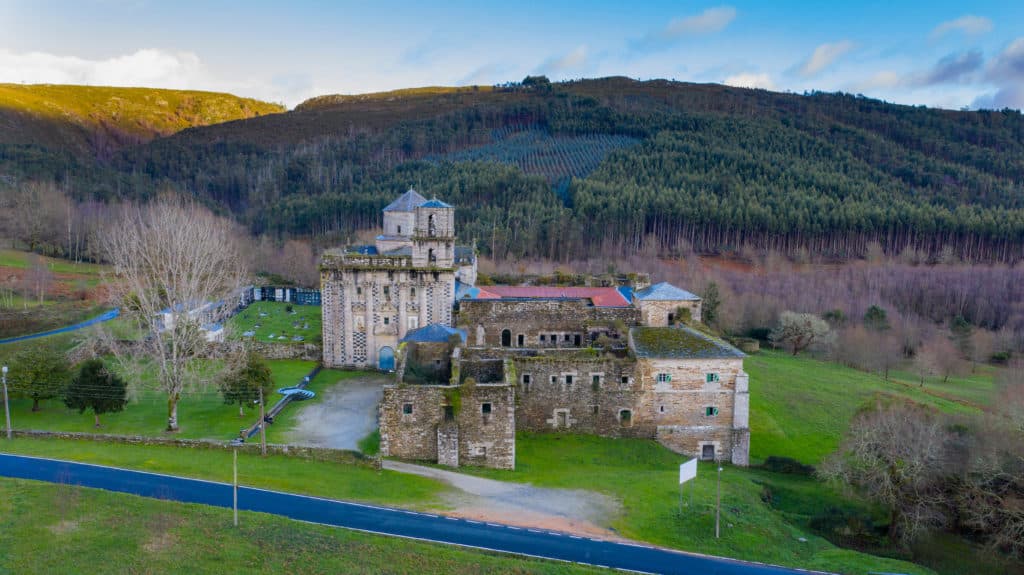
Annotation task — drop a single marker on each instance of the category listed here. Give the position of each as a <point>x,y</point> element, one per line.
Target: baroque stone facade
<point>372,295</point>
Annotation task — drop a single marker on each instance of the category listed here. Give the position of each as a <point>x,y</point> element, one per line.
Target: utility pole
<point>718,499</point>
<point>234,483</point>
<point>263,427</point>
<point>7,406</point>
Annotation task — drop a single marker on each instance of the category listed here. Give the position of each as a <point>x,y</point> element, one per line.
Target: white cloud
<point>970,25</point>
<point>750,80</point>
<point>824,56</point>
<point>150,68</point>
<point>707,22</point>
<point>570,61</point>
<point>883,79</point>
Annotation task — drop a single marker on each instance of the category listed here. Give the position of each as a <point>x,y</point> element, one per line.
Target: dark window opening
<point>399,229</point>
<point>359,291</point>
<point>449,413</point>
<point>662,409</point>
<point>671,318</point>
<point>577,340</point>
<point>407,408</point>
<point>387,320</point>
<point>625,379</point>
<point>485,408</point>
<point>597,408</point>
<point>710,411</point>
<point>526,378</point>
<point>506,338</point>
<point>543,338</point>
<point>431,230</point>
<point>707,452</point>
<point>412,292</point>
<point>626,417</point>
<point>431,257</point>
<point>566,338</point>
<point>554,379</point>
<point>568,380</point>
<point>437,363</point>
<point>521,340</point>
<point>596,380</point>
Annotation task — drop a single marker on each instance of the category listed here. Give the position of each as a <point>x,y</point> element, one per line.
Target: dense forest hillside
<point>96,121</point>
<point>564,170</point>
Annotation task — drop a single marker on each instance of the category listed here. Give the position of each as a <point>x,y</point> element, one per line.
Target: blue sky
<point>942,54</point>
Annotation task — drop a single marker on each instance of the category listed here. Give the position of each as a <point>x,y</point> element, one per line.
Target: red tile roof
<point>599,296</point>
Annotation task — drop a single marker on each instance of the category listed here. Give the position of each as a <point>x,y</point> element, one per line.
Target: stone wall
<point>655,313</point>
<point>572,322</point>
<point>303,351</point>
<point>583,392</point>
<point>414,423</point>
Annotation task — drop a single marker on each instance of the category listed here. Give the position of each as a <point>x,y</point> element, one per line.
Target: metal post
<point>263,427</point>
<point>718,500</point>
<point>7,406</point>
<point>234,483</point>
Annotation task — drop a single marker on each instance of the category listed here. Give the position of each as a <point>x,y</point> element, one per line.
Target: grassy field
<point>202,413</point>
<point>20,259</point>
<point>800,407</point>
<point>275,324</point>
<point>321,478</point>
<point>101,532</point>
<point>643,475</point>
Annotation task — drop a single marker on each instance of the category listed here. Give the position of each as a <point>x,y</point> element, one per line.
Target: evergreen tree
<point>97,388</point>
<point>709,306</point>
<point>242,385</point>
<point>876,319</point>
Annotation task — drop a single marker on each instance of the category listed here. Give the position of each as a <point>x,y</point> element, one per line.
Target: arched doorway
<point>386,359</point>
<point>506,338</point>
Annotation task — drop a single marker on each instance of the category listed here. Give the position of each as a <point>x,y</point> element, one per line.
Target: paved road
<point>397,522</point>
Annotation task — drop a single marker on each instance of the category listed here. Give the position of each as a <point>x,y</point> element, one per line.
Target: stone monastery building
<point>474,364</point>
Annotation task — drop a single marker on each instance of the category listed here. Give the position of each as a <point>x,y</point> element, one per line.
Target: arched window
<point>431,230</point>
<point>506,338</point>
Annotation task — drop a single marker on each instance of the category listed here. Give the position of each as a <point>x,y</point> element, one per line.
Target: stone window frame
<point>554,380</point>
<point>569,378</point>
<point>596,379</point>
<point>407,409</point>
<point>627,419</point>
<point>554,418</point>
<point>486,408</point>
<point>700,449</point>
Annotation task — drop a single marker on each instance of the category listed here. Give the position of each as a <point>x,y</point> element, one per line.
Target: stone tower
<point>374,294</point>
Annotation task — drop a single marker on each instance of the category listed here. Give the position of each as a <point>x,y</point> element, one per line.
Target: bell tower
<point>433,244</point>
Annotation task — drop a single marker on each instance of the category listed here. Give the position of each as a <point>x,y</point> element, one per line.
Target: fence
<point>298,296</point>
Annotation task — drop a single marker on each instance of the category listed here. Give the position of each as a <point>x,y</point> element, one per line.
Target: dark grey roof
<point>678,342</point>
<point>407,202</point>
<point>664,291</point>
<point>402,251</point>
<point>464,254</point>
<point>434,332</point>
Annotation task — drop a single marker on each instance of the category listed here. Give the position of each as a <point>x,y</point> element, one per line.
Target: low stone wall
<point>303,351</point>
<point>301,452</point>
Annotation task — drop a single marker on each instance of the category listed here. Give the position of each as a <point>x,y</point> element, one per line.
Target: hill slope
<point>616,165</point>
<point>98,120</point>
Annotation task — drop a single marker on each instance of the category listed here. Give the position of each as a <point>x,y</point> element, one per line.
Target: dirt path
<point>346,413</point>
<point>570,510</point>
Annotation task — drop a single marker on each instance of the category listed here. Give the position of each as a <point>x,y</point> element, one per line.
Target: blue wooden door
<point>386,359</point>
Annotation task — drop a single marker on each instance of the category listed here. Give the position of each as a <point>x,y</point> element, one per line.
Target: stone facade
<point>452,425</point>
<point>372,295</point>
<point>534,324</point>
<point>663,313</point>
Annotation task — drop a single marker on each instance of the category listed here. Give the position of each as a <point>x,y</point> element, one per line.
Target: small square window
<point>359,291</point>
<point>543,338</point>
<point>712,377</point>
<point>526,378</point>
<point>624,380</point>
<point>485,408</point>
<point>407,408</point>
<point>567,337</point>
<point>554,380</point>
<point>437,363</point>
<point>710,411</point>
<point>387,320</point>
<point>664,377</point>
<point>568,380</point>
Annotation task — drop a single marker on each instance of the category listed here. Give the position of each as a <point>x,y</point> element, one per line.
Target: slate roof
<point>434,203</point>
<point>402,251</point>
<point>678,342</point>
<point>406,202</point>
<point>664,291</point>
<point>599,296</point>
<point>434,332</point>
<point>464,254</point>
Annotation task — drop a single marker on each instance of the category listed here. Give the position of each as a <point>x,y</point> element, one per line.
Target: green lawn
<point>643,475</point>
<point>800,407</point>
<point>202,413</point>
<point>22,259</point>
<point>274,320</point>
<point>63,529</point>
<point>280,472</point>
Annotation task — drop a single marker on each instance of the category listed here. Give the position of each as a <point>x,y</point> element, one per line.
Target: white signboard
<point>687,471</point>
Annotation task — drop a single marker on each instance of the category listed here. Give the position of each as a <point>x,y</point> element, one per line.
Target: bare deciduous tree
<point>800,331</point>
<point>173,262</point>
<point>938,357</point>
<point>899,456</point>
